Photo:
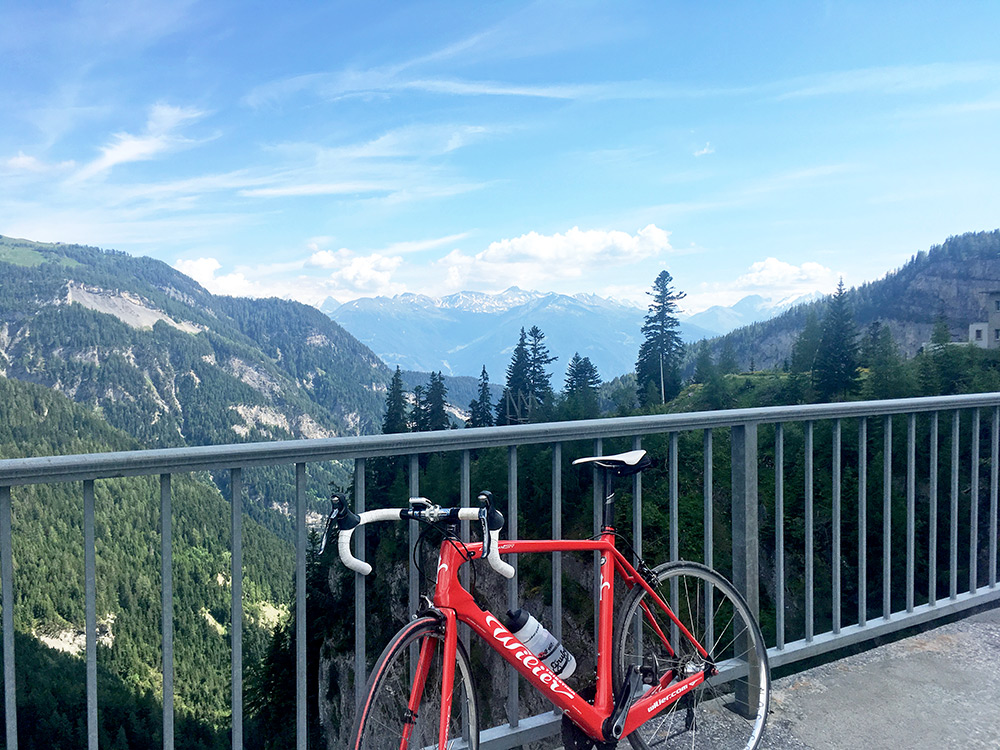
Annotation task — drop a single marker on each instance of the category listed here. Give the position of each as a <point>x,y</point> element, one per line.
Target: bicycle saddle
<point>621,464</point>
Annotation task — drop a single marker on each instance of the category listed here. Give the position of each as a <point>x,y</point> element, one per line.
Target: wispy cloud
<point>890,80</point>
<point>160,136</point>
<point>705,151</point>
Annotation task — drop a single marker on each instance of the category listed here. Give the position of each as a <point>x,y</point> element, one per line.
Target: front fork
<point>424,661</point>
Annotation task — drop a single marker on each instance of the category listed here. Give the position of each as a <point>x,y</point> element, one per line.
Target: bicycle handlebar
<point>488,518</point>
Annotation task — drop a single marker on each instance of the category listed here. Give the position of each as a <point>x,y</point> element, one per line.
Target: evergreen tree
<point>806,345</point>
<point>836,371</point>
<point>582,382</point>
<point>528,387</point>
<point>886,376</point>
<point>395,407</point>
<point>481,409</point>
<point>512,406</point>
<point>704,368</point>
<point>418,412</point>
<point>727,358</point>
<point>657,369</point>
<point>538,359</point>
<point>433,410</point>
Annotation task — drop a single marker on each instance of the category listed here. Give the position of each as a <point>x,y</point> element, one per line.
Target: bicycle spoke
<point>725,711</point>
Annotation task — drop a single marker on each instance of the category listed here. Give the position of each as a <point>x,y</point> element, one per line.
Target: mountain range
<point>461,333</point>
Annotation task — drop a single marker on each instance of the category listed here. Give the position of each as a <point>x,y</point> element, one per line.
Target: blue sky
<point>308,149</point>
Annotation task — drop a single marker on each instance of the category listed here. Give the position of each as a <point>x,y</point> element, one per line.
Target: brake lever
<point>338,510</point>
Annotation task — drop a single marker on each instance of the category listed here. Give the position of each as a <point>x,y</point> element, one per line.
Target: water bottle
<point>541,643</point>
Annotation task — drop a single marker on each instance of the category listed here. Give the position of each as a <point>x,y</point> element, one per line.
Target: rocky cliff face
<point>951,279</point>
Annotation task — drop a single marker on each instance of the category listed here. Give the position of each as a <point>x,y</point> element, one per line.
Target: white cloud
<point>159,137</point>
<point>541,258</point>
<point>350,276</point>
<point>770,278</point>
<point>204,271</point>
<point>705,151</point>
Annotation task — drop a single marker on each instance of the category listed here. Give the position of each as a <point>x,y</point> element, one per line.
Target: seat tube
<point>605,699</point>
<point>448,659</point>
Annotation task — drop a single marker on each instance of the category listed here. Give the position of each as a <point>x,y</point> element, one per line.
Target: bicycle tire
<point>728,710</point>
<point>383,716</point>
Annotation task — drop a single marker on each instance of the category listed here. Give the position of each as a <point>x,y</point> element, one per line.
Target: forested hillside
<point>49,586</point>
<point>160,358</point>
<point>948,280</point>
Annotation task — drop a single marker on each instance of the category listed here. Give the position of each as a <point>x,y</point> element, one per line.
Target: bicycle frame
<point>456,605</point>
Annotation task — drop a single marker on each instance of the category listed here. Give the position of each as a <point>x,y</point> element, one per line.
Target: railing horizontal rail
<point>19,471</point>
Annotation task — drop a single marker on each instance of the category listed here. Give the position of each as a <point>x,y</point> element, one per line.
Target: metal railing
<point>975,501</point>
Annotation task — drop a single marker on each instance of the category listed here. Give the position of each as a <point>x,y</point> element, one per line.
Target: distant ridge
<point>948,279</point>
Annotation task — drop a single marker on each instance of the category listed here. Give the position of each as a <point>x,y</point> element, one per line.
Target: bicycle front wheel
<point>402,708</point>
<point>729,709</point>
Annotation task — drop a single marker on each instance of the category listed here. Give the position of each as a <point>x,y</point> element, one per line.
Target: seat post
<point>609,500</point>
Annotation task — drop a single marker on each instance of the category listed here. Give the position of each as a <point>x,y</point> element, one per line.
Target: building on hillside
<point>987,335</point>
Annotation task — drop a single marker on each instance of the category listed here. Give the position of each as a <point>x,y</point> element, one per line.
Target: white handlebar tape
<point>392,514</point>
<point>504,569</point>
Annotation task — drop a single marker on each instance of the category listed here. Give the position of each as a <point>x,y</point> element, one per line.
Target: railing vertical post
<point>953,525</point>
<point>513,709</point>
<point>301,540</point>
<point>708,497</point>
<point>974,507</point>
<point>863,521</point>
<point>887,517</point>
<point>7,573</point>
<point>932,521</point>
<point>836,558</point>
<point>994,488</point>
<point>412,527</point>
<point>746,559</point>
<point>674,499</point>
<point>360,590</point>
<point>464,575</point>
<point>746,576</point>
<point>810,552</point>
<point>557,596</point>
<point>911,507</point>
<point>236,571</point>
<point>167,609</point>
<point>779,531</point>
<point>599,490</point>
<point>90,596</point>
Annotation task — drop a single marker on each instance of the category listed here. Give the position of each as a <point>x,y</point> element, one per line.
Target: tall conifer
<point>657,369</point>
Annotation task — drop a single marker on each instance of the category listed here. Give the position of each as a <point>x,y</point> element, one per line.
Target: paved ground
<point>937,689</point>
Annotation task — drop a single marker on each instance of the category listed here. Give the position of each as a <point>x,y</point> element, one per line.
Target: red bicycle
<point>685,665</point>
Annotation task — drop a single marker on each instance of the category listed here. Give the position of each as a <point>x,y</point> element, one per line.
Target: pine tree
<point>481,409</point>
<point>395,407</point>
<point>886,376</point>
<point>657,369</point>
<point>805,346</point>
<point>836,372</point>
<point>538,360</point>
<point>704,368</point>
<point>727,358</point>
<point>435,414</point>
<point>518,387</point>
<point>418,414</point>
<point>580,396</point>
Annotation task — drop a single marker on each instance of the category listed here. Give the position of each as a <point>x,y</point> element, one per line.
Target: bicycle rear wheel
<point>387,719</point>
<point>729,709</point>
